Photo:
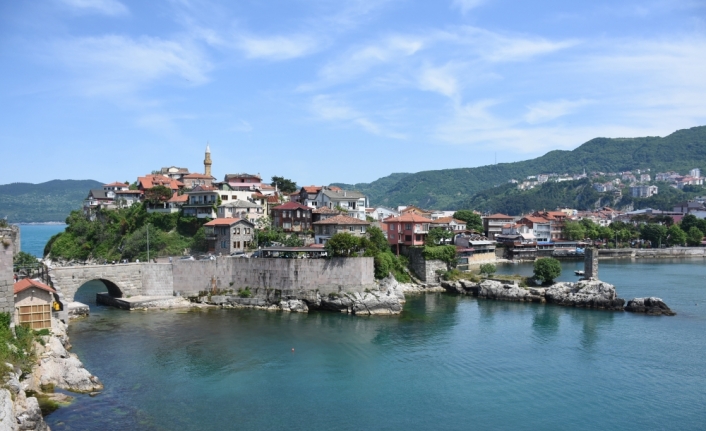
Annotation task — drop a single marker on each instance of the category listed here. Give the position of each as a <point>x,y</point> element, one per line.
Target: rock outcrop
<point>652,306</point>
<point>585,294</point>
<point>60,368</point>
<point>17,410</point>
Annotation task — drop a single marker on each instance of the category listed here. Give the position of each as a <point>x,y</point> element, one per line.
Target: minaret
<point>207,161</point>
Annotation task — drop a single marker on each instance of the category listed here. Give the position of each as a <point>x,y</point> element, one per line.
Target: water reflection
<point>545,322</point>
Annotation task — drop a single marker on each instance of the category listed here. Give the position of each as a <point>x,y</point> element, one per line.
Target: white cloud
<point>466,5</point>
<point>278,47</point>
<point>440,79</point>
<point>546,111</point>
<point>105,7</point>
<point>118,65</point>
<point>329,109</point>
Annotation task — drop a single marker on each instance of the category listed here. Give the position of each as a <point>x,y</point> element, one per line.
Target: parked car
<point>238,254</point>
<point>187,258</point>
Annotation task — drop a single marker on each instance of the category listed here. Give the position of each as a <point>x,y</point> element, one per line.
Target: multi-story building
<point>292,217</point>
<point>643,191</point>
<point>229,235</point>
<point>202,202</point>
<point>241,209</point>
<point>325,229</point>
<point>407,230</point>
<point>353,203</point>
<point>192,180</point>
<point>493,224</point>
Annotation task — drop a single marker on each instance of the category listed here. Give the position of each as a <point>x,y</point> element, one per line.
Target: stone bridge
<point>121,280</point>
<point>290,276</point>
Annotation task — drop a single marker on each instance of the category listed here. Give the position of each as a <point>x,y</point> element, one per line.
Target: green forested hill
<point>452,188</point>
<point>46,202</point>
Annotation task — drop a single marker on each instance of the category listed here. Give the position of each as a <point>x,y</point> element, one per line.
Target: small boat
<point>579,272</point>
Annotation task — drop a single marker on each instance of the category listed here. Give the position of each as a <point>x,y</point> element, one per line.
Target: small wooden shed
<point>33,303</point>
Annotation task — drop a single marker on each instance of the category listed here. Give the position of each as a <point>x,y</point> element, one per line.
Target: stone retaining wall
<point>7,301</point>
<point>157,279</point>
<point>424,269</point>
<point>653,252</point>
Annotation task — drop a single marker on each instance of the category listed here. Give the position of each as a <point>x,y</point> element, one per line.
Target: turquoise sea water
<point>33,237</point>
<point>448,362</point>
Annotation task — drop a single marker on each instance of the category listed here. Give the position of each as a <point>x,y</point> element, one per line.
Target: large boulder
<point>653,306</point>
<point>491,289</point>
<point>585,294</point>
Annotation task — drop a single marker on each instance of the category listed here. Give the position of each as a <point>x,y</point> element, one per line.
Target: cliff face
<point>56,367</point>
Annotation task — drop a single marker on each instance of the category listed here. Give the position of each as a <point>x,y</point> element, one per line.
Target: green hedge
<point>446,253</point>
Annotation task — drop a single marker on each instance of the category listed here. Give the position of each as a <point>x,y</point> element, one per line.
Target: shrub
<point>445,253</point>
<point>488,269</point>
<point>244,293</point>
<point>547,269</point>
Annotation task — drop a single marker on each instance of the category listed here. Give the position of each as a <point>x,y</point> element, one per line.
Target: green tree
<point>343,245</point>
<point>473,220</point>
<point>376,240</point>
<point>547,269</point>
<point>488,268</point>
<point>24,260</point>
<point>675,236</point>
<point>158,194</point>
<point>694,236</point>
<point>574,230</point>
<point>284,185</point>
<point>438,235</point>
<point>656,234</point>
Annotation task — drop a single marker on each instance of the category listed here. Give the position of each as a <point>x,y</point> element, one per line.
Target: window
<point>392,227</point>
<point>418,237</point>
<point>350,228</point>
<point>408,238</point>
<point>224,197</point>
<point>362,229</point>
<point>287,225</point>
<point>392,236</point>
<point>408,226</point>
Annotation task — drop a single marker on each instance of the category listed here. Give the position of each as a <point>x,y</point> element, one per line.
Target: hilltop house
<point>292,217</point>
<point>407,230</point>
<point>192,180</point>
<point>229,235</point>
<point>202,201</point>
<point>174,172</point>
<point>324,213</point>
<point>381,213</point>
<point>353,203</point>
<point>149,181</point>
<point>325,229</point>
<point>241,209</point>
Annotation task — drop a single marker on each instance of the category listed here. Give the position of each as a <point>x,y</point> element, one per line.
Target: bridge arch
<point>119,280</point>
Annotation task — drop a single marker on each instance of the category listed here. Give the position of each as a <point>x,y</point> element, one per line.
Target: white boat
<point>579,272</point>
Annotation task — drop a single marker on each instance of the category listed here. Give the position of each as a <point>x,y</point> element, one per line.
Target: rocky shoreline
<point>386,299</point>
<point>592,294</point>
<point>56,368</point>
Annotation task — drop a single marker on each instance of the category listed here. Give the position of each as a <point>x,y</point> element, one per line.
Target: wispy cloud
<point>466,5</point>
<point>118,65</point>
<point>277,47</point>
<point>440,79</point>
<point>540,112</point>
<point>328,108</point>
<point>105,7</point>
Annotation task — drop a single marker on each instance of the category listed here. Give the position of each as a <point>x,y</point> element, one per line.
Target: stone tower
<point>207,161</point>
<point>590,264</point>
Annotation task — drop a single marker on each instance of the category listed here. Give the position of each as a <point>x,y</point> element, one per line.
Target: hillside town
<point>232,210</point>
<point>639,183</point>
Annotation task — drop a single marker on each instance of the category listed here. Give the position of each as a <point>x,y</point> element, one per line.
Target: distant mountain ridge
<point>450,189</point>
<point>51,201</point>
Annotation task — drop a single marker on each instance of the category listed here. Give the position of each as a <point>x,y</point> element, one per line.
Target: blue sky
<point>324,91</point>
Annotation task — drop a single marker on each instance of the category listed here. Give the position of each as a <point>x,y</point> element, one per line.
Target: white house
<point>353,203</point>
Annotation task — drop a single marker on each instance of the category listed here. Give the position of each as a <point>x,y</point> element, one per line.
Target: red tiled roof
<point>499,216</point>
<point>178,198</point>
<point>291,206</point>
<point>117,184</point>
<point>129,192</point>
<point>311,189</point>
<point>196,175</point>
<point>149,181</point>
<point>408,217</point>
<point>204,188</point>
<point>342,220</point>
<point>335,189</point>
<point>223,222</point>
<point>26,283</point>
<point>272,199</point>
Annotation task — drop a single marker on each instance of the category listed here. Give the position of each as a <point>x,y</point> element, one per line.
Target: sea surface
<point>447,362</point>
<point>33,237</point>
